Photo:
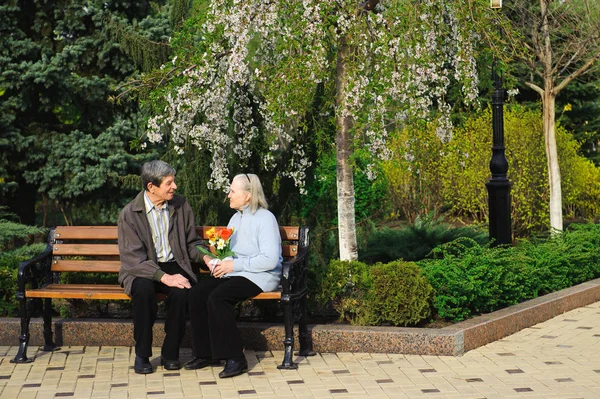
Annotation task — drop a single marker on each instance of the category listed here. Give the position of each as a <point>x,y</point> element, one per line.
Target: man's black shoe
<point>170,364</point>
<point>142,365</point>
<point>234,367</point>
<point>200,362</point>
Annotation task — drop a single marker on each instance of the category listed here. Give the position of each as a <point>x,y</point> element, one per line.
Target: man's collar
<point>149,205</point>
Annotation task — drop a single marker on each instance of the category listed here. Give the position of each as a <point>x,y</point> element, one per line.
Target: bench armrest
<point>294,278</point>
<point>34,270</point>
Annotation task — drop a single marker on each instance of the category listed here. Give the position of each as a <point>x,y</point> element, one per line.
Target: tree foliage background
<point>70,149</point>
<point>65,144</point>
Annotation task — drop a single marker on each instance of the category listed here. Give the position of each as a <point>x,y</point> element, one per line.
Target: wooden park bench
<point>94,249</point>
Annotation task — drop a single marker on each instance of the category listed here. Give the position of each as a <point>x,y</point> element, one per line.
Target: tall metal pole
<point>499,185</point>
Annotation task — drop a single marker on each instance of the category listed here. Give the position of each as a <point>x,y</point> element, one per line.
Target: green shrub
<point>13,234</point>
<point>414,170</point>
<point>9,265</point>
<point>427,175</point>
<point>15,247</point>
<point>564,260</point>
<point>324,247</point>
<point>385,294</point>
<point>400,295</point>
<point>344,286</point>
<point>466,170</point>
<point>416,241</point>
<point>471,279</point>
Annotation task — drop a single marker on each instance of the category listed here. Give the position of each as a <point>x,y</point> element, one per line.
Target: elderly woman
<point>255,267</point>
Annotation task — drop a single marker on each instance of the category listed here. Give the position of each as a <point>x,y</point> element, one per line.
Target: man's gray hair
<point>155,171</point>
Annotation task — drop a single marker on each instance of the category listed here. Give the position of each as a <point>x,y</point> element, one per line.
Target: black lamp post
<point>498,186</point>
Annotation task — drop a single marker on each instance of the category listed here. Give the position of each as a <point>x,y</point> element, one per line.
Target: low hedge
<point>470,279</point>
<point>460,279</point>
<point>15,246</point>
<point>395,293</point>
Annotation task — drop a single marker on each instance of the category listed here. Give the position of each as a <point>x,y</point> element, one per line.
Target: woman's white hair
<point>251,184</point>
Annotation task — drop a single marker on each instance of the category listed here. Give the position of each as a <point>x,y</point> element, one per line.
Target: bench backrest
<point>94,249</point>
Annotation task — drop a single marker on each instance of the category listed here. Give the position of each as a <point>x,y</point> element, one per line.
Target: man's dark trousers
<point>145,308</point>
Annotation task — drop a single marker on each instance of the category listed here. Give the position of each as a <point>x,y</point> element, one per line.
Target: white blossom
<point>263,61</point>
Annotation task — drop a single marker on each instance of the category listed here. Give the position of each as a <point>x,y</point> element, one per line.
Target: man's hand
<point>175,280</point>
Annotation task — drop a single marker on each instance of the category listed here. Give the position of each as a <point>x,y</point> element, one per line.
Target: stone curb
<point>453,340</point>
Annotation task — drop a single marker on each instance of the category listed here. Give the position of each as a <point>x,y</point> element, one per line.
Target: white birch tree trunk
<point>343,141</point>
<point>549,115</point>
<point>548,103</point>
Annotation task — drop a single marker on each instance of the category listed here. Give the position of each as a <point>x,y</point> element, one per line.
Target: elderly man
<point>157,245</point>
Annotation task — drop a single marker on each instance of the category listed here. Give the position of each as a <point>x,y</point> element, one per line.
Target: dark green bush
<point>471,279</point>
<point>415,242</point>
<point>13,234</point>
<point>384,294</point>
<point>400,295</point>
<point>324,248</point>
<point>9,265</point>
<point>344,286</point>
<point>15,246</point>
<point>566,259</point>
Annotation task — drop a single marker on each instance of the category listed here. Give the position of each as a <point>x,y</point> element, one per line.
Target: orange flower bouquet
<point>219,240</point>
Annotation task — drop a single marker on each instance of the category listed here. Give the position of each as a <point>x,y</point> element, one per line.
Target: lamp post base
<point>499,211</point>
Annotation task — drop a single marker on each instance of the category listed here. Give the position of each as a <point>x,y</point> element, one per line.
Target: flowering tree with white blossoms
<point>255,67</point>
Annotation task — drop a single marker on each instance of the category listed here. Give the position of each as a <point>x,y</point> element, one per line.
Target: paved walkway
<point>559,358</point>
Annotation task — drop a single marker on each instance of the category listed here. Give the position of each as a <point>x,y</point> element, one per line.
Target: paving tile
<point>552,360</point>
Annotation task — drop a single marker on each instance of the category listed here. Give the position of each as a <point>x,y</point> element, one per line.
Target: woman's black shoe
<point>142,365</point>
<point>234,367</point>
<point>170,364</point>
<point>200,362</point>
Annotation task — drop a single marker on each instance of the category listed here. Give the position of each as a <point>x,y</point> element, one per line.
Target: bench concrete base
<point>453,340</point>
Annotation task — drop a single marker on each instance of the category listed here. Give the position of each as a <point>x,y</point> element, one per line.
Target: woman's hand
<point>222,268</point>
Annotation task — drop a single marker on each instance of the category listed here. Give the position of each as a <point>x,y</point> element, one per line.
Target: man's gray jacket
<point>136,248</point>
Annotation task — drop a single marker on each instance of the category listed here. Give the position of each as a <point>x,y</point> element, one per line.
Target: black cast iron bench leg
<point>49,345</point>
<point>303,335</point>
<point>288,342</point>
<point>21,356</point>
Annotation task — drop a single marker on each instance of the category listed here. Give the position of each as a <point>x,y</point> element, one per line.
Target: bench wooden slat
<point>269,295</point>
<point>288,233</point>
<point>79,291</point>
<point>287,251</point>
<point>86,266</point>
<point>85,249</point>
<point>101,291</point>
<point>86,233</point>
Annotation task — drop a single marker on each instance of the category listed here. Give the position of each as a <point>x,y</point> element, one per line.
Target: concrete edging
<point>453,340</point>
